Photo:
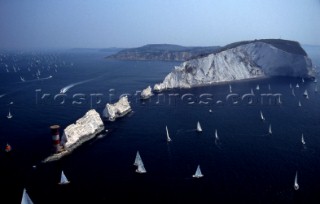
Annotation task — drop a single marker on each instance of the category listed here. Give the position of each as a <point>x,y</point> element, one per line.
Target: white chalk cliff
<point>118,109</point>
<point>244,61</point>
<point>146,93</point>
<point>85,128</point>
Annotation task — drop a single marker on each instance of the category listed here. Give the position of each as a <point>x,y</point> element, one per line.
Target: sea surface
<point>246,164</point>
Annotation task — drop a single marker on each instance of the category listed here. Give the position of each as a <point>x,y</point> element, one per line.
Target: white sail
<point>252,92</point>
<point>230,88</point>
<point>302,139</point>
<point>25,198</point>
<point>270,131</point>
<point>296,185</point>
<point>138,159</point>
<point>302,80</point>
<point>216,134</point>
<point>299,104</point>
<point>198,173</point>
<point>261,116</point>
<point>305,93</point>
<point>9,115</point>
<point>293,92</point>
<point>63,179</point>
<point>168,137</point>
<point>258,88</point>
<point>199,129</point>
<point>297,85</point>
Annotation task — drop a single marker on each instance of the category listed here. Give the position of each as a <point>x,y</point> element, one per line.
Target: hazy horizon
<point>45,24</point>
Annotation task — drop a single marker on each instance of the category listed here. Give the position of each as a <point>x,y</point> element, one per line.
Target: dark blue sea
<point>246,165</point>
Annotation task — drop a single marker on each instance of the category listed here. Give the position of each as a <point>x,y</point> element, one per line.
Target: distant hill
<point>162,52</point>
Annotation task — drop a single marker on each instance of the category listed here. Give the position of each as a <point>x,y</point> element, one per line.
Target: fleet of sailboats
<point>168,137</point>
<point>199,129</point>
<point>63,179</point>
<point>26,198</point>
<point>198,173</point>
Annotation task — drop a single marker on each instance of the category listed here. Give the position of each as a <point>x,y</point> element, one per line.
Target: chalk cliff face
<point>118,109</point>
<point>242,61</point>
<point>85,128</point>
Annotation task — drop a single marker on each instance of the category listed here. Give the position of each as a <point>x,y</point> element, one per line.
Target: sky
<point>36,24</point>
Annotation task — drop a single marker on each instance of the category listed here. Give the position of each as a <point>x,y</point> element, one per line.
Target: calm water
<point>247,166</point>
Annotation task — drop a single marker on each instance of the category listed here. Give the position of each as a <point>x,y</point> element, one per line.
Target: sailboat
<point>258,88</point>
<point>137,159</point>
<point>299,104</point>
<point>305,93</point>
<point>270,131</point>
<point>293,92</point>
<point>302,80</point>
<point>230,88</point>
<point>261,115</point>
<point>290,85</point>
<point>9,115</point>
<point>198,173</point>
<point>296,185</point>
<point>302,139</point>
<point>216,135</point>
<point>63,179</point>
<point>315,80</point>
<point>297,86</point>
<point>25,198</point>
<point>199,129</point>
<point>138,162</point>
<point>168,137</point>
<point>252,92</point>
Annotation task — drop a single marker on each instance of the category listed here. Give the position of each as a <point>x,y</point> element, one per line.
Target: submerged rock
<point>118,109</point>
<point>243,60</point>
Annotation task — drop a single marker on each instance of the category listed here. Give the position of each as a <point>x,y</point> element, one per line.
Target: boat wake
<point>39,79</point>
<point>66,88</point>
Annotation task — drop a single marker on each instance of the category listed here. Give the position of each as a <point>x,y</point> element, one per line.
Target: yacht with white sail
<point>137,159</point>
<point>198,173</point>
<point>299,104</point>
<point>258,88</point>
<point>302,139</point>
<point>9,115</point>
<point>305,93</point>
<point>261,116</point>
<point>168,137</point>
<point>199,129</point>
<point>216,134</point>
<point>270,131</point>
<point>296,185</point>
<point>63,179</point>
<point>297,86</point>
<point>26,198</point>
